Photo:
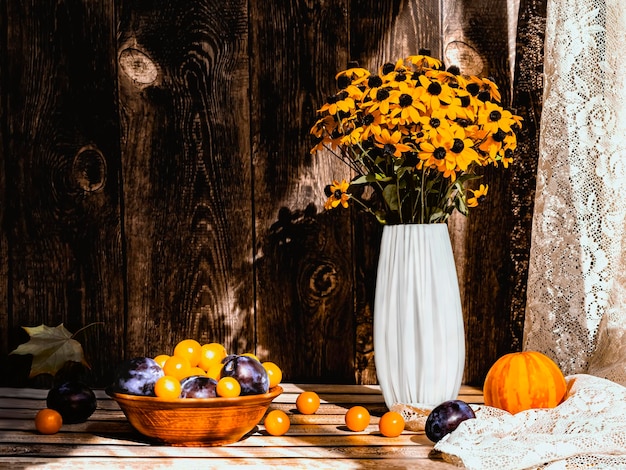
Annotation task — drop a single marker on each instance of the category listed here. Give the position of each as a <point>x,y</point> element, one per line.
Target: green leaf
<point>391,196</point>
<point>51,348</point>
<point>371,178</point>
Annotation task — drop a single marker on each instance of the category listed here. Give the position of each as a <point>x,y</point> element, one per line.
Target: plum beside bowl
<point>195,421</point>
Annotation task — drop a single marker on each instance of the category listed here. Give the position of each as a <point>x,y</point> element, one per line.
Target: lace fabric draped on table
<point>586,430</point>
<point>576,299</point>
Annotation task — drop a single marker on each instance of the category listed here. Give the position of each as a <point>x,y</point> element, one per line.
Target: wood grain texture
<point>303,256</point>
<point>183,84</point>
<point>4,136</point>
<point>62,213</point>
<point>475,37</point>
<point>156,176</point>
<point>320,440</point>
<point>386,31</point>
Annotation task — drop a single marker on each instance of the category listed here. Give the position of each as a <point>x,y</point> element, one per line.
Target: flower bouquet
<point>413,134</point>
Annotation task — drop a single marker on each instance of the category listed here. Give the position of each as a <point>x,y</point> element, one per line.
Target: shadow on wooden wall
<point>157,178</point>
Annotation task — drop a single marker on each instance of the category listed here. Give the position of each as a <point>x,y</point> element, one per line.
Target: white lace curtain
<point>576,304</point>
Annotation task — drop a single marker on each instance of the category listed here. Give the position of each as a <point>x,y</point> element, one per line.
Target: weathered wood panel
<point>156,176</point>
<point>476,38</point>
<point>304,257</point>
<point>4,252</point>
<point>183,85</point>
<point>386,31</point>
<point>62,216</point>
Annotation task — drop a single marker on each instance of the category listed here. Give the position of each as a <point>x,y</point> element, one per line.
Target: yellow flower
<point>462,147</point>
<point>478,195</point>
<point>438,154</point>
<point>414,133</point>
<point>433,93</point>
<point>492,117</point>
<point>390,143</point>
<point>423,61</point>
<point>435,124</point>
<point>409,106</point>
<point>338,194</point>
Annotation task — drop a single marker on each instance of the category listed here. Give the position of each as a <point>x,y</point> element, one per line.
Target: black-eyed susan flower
<point>414,132</point>
<point>433,92</point>
<point>491,89</point>
<point>478,195</point>
<point>391,143</point>
<point>381,100</point>
<point>424,61</point>
<point>435,123</point>
<point>438,154</point>
<point>337,194</point>
<point>342,101</point>
<point>492,117</point>
<point>409,107</point>
<point>462,147</point>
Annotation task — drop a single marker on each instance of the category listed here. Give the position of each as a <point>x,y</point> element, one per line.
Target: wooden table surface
<point>319,441</point>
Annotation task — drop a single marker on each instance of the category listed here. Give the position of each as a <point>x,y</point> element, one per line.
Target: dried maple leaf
<point>51,348</point>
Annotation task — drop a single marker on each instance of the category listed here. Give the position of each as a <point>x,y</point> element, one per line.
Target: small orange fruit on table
<point>48,421</point>
<point>308,402</point>
<point>357,418</point>
<point>277,423</point>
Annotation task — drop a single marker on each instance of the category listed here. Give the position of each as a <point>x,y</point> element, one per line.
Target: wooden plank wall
<point>156,177</point>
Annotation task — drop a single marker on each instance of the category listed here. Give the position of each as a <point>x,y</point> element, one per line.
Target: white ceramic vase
<point>419,338</point>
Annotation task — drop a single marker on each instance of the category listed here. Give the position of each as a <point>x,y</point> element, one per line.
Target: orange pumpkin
<point>520,381</point>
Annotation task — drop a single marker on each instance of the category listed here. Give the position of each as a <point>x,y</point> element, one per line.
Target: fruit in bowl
<point>195,421</point>
<point>248,371</point>
<point>137,376</point>
<point>190,404</point>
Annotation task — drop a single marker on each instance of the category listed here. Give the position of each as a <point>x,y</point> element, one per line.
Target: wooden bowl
<point>195,421</point>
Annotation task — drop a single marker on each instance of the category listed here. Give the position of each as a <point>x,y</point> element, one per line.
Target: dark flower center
<point>495,116</point>
<point>434,122</point>
<point>343,82</point>
<point>473,89</point>
<point>439,153</point>
<point>343,114</point>
<point>434,88</point>
<point>389,149</point>
<point>458,146</point>
<point>337,194</point>
<point>368,119</point>
<point>374,81</point>
<point>405,100</point>
<point>463,122</point>
<point>400,77</point>
<point>499,136</point>
<point>382,94</point>
<point>484,96</point>
<point>481,198</point>
<point>388,68</point>
<point>327,190</point>
<point>465,101</point>
<point>332,99</point>
<point>454,70</point>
